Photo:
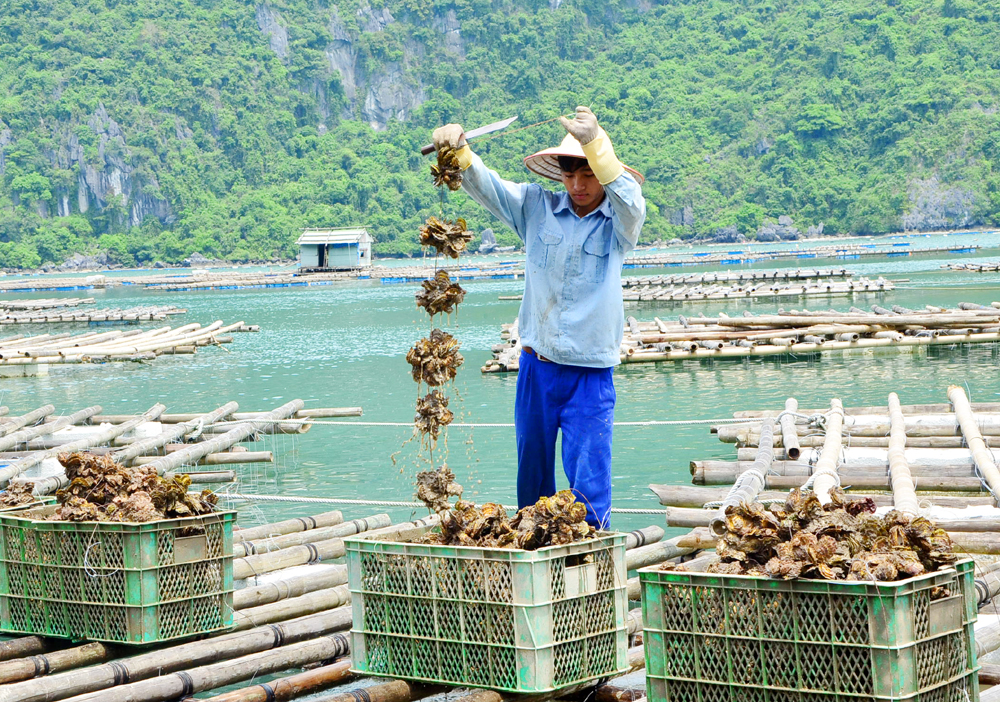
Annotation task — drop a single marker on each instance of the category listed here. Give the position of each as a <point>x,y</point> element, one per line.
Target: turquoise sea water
<point>344,345</point>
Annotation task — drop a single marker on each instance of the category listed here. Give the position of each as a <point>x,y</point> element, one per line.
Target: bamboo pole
<point>749,484</point>
<point>635,660</point>
<point>789,436</point>
<point>874,425</point>
<point>977,532</point>
<point>222,442</point>
<point>23,435</point>
<point>173,658</point>
<point>103,436</point>
<point>289,526</point>
<point>153,443</point>
<point>54,662</point>
<point>904,495</point>
<point>211,476</point>
<point>181,418</point>
<point>987,587</point>
<point>644,536</point>
<point>282,610</point>
<point>173,686</point>
<point>277,543</point>
<point>725,472</point>
<point>987,637</point>
<point>249,566</point>
<point>392,691</point>
<point>875,482</point>
<point>825,473</point>
<point>856,441</point>
<point>23,646</point>
<point>226,458</point>
<point>989,674</point>
<point>16,423</point>
<point>656,553</point>
<point>320,577</point>
<point>290,687</point>
<point>985,465</point>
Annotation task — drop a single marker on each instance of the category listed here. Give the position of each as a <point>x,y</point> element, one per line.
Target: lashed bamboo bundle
<point>45,304</point>
<point>131,315</point>
<point>57,434</point>
<point>974,267</point>
<point>755,291</point>
<point>231,281</point>
<point>109,346</point>
<point>641,259</point>
<point>794,332</point>
<point>735,277</point>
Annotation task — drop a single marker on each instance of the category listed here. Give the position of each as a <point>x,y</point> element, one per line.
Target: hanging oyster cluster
<point>440,294</point>
<point>435,360</point>
<point>447,170</point>
<point>842,540</point>
<point>447,237</point>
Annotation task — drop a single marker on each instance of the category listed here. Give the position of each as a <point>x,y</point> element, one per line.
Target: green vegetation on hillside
<point>194,135</point>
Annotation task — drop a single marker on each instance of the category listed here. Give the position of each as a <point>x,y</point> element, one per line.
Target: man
<point>571,319</point>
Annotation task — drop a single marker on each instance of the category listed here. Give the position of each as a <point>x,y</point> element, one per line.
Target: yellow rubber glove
<point>601,157</point>
<point>453,136</point>
<point>596,145</point>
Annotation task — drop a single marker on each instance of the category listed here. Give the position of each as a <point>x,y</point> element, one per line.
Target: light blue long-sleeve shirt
<point>572,309</point>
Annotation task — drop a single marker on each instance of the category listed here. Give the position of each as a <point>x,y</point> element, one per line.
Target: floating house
<point>335,249</point>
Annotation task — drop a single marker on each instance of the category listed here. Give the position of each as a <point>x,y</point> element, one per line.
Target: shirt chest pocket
<point>596,254</point>
<point>543,253</point>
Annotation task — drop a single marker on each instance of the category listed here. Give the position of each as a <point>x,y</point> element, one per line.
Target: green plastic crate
<point>511,620</point>
<point>725,638</point>
<point>133,583</point>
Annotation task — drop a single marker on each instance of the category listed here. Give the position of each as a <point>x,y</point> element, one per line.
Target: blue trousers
<point>581,402</point>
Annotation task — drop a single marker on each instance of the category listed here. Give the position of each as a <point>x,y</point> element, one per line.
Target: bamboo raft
<point>48,303</point>
<point>736,277</point>
<point>53,314</point>
<point>32,355</point>
<point>169,442</point>
<point>914,458</point>
<point>793,332</point>
<point>737,257</point>
<point>238,280</point>
<point>386,275</point>
<point>991,267</point>
<point>756,291</point>
<point>292,609</point>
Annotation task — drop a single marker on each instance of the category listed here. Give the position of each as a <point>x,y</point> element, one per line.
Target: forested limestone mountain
<point>152,129</point>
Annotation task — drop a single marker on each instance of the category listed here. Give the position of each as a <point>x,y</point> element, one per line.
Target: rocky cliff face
<point>6,137</point>
<point>934,205</point>
<point>376,95</point>
<point>270,24</point>
<point>111,175</point>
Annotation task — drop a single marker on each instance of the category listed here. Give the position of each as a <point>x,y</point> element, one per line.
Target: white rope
<point>649,423</point>
<point>236,496</point>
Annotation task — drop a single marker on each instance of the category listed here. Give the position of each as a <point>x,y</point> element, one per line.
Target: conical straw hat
<point>546,162</point>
